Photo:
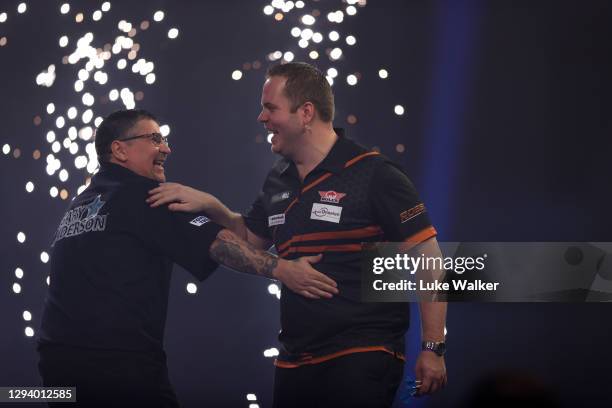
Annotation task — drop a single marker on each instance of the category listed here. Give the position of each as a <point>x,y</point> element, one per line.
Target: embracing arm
<point>298,275</point>
<point>228,249</point>
<point>238,248</point>
<point>188,199</point>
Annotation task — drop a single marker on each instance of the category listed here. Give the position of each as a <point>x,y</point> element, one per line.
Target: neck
<point>315,147</point>
<point>117,162</point>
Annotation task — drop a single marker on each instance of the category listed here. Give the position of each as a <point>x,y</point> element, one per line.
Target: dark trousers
<point>106,378</point>
<point>364,380</point>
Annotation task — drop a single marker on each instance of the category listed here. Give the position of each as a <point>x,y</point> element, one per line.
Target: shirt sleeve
<point>184,238</point>
<point>256,218</point>
<point>397,207</point>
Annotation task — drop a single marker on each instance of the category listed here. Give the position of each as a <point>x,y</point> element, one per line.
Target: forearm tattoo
<point>231,251</point>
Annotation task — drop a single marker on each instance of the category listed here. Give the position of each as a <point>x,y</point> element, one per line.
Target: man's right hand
<point>182,198</point>
<point>299,276</point>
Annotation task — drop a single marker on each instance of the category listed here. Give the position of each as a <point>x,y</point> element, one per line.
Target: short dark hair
<point>115,126</point>
<point>305,83</point>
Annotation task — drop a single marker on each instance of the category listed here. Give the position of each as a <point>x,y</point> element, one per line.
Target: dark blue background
<point>506,134</point>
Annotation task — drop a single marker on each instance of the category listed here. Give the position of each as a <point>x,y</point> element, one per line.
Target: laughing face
<point>285,126</point>
<point>143,155</point>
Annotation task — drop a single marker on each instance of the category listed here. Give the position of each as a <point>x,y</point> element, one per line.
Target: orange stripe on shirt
<point>290,205</point>
<point>322,248</point>
<point>347,164</point>
<point>361,156</point>
<point>317,181</point>
<point>321,359</point>
<point>418,238</point>
<point>370,231</point>
<point>328,175</point>
<point>323,178</point>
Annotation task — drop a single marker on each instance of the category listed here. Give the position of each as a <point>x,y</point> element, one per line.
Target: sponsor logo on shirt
<point>331,196</point>
<point>407,215</point>
<point>280,197</point>
<point>277,219</point>
<point>199,221</point>
<point>325,212</point>
<point>82,219</point>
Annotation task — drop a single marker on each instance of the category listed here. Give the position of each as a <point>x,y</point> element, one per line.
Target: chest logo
<point>277,219</point>
<point>331,196</point>
<point>280,197</point>
<point>325,212</point>
<point>199,221</point>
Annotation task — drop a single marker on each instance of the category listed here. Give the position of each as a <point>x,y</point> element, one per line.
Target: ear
<point>119,152</point>
<point>308,112</point>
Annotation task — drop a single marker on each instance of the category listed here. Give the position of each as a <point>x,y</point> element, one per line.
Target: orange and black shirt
<point>353,196</point>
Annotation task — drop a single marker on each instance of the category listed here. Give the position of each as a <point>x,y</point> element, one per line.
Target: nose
<point>164,148</point>
<point>262,117</point>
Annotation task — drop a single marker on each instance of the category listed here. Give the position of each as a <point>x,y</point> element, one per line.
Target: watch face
<point>441,348</point>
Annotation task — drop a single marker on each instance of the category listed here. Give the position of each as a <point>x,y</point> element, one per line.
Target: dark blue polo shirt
<point>111,261</point>
<point>353,196</point>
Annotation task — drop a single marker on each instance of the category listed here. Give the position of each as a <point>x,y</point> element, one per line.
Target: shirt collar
<point>117,171</point>
<point>334,162</point>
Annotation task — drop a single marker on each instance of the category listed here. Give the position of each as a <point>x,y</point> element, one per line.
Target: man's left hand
<point>182,198</point>
<point>300,276</point>
<point>430,370</point>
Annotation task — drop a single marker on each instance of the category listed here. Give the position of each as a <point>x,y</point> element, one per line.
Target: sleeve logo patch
<point>199,221</point>
<point>277,219</point>
<point>331,196</point>
<point>411,213</point>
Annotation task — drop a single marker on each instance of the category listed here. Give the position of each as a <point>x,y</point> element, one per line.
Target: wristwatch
<point>438,347</point>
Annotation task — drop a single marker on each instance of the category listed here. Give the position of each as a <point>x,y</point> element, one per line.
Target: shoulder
<point>388,174</point>
<point>374,160</point>
<point>135,188</point>
<point>128,198</point>
<point>387,166</point>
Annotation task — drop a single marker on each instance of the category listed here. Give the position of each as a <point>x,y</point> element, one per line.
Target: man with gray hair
<point>103,323</point>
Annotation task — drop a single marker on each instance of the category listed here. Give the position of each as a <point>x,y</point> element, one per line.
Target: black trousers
<point>107,378</point>
<point>364,380</point>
